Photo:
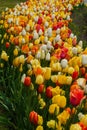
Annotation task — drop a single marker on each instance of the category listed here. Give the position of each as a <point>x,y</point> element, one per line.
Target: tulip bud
<point>27,81</point>
<point>64,63</point>
<point>23,32</point>
<point>35,36</point>
<point>48,56</point>
<point>39,79</point>
<point>84,59</point>
<point>75,127</point>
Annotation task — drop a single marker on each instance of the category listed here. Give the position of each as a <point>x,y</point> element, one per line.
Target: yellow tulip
<point>84,120</point>
<point>59,100</point>
<point>39,127</point>
<point>40,120</point>
<point>63,117</point>
<point>53,108</point>
<point>47,74</point>
<point>39,79</point>
<point>75,127</point>
<point>52,124</point>
<point>4,56</point>
<point>56,90</point>
<point>15,52</point>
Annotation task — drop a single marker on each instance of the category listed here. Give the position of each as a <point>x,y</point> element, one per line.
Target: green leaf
<point>4,106</point>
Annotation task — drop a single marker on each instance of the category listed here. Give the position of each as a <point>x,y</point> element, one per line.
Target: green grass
<point>79,23</point>
<point>8,3</point>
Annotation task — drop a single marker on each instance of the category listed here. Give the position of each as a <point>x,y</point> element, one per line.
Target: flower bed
<point>43,68</point>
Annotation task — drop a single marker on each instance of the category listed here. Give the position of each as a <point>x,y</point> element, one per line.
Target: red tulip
<point>27,81</point>
<point>85,76</point>
<point>63,55</point>
<point>40,20</point>
<point>7,44</point>
<point>75,75</point>
<point>60,24</point>
<point>82,126</point>
<point>76,95</point>
<point>41,88</point>
<point>38,27</point>
<point>55,26</point>
<point>33,117</point>
<point>83,70</point>
<point>49,92</point>
<point>56,46</point>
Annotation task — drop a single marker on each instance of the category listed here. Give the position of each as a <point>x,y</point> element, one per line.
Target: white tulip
<point>85,89</point>
<point>48,56</point>
<point>70,7</point>
<point>48,45</point>
<point>46,24</point>
<point>44,47</point>
<point>80,115</point>
<point>27,27</point>
<point>23,32</point>
<point>68,17</point>
<point>35,36</point>
<point>23,41</point>
<point>17,22</point>
<point>42,54</point>
<point>80,44</point>
<point>49,32</point>
<point>71,35</point>
<point>58,31</point>
<point>38,55</point>
<point>74,50</point>
<point>57,38</point>
<point>53,16</point>
<point>84,59</point>
<point>45,39</point>
<point>40,32</point>
<point>23,78</point>
<point>36,18</point>
<point>10,20</point>
<point>81,82</point>
<point>64,63</point>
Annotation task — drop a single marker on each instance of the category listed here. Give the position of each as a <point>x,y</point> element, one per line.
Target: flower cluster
<point>39,44</point>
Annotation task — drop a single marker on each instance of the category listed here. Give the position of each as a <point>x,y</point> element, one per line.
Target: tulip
<point>64,63</point>
<point>27,81</point>
<point>48,56</point>
<point>33,117</point>
<point>39,79</point>
<point>7,44</point>
<point>84,120</point>
<point>53,108</point>
<point>59,100</point>
<point>75,127</point>
<point>49,92</point>
<point>84,59</point>
<point>63,117</point>
<point>76,96</point>
<point>39,127</point>
<point>75,75</point>
<point>47,74</point>
<point>40,120</point>
<point>52,124</point>
<point>41,88</point>
<point>15,52</point>
<point>4,56</point>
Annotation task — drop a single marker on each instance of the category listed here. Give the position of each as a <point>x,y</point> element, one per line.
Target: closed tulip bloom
<point>39,127</point>
<point>75,127</point>
<point>39,79</point>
